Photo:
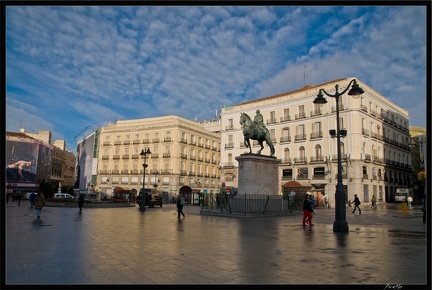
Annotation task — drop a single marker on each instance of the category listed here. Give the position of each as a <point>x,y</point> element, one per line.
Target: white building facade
<point>375,152</point>
<point>183,153</point>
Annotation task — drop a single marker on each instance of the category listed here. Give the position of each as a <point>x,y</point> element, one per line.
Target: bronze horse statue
<point>252,131</point>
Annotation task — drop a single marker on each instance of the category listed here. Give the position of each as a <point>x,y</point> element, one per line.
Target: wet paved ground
<point>384,247</point>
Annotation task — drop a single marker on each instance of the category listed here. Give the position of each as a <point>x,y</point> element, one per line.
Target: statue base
<point>258,174</point>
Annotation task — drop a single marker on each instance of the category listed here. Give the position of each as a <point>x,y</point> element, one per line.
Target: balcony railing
<point>300,137</point>
<point>285,118</point>
<point>317,159</point>
<point>316,113</point>
<point>285,139</point>
<point>300,116</point>
<point>316,135</point>
<point>271,121</point>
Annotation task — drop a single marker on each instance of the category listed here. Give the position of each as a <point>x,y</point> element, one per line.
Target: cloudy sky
<point>73,68</point>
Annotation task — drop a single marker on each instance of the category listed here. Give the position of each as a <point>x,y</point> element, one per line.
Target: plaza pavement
<point>384,248</point>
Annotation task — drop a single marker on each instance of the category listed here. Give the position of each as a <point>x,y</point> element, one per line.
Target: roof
<point>307,87</point>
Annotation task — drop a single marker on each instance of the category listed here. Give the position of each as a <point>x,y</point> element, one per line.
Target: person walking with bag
<point>39,204</point>
<point>356,203</point>
<point>180,204</point>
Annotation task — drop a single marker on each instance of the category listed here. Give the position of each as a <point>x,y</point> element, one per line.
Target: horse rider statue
<point>258,120</point>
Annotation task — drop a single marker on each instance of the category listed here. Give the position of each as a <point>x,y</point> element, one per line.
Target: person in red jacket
<point>307,211</point>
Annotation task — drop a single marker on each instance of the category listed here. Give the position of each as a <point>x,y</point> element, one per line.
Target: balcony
<point>363,108</point>
<point>155,155</point>
<point>135,156</point>
<point>166,171</point>
<point>192,143</point>
<point>134,171</point>
<point>107,143</point>
<point>154,172</point>
<point>125,171</point>
<point>136,141</point>
<point>117,142</point>
<point>183,172</point>
<point>368,158</point>
<point>229,145</point>
<point>286,161</point>
<point>316,135</point>
<point>271,121</point>
<point>365,132</point>
<point>115,172</point>
<point>103,172</point>
<point>242,145</point>
<point>125,156</point>
<point>167,139</point>
<point>300,160</point>
<point>183,156</point>
<point>317,159</point>
<point>104,157</point>
<point>285,118</point>
<point>126,142</point>
<point>116,156</point>
<point>285,139</point>
<point>316,113</point>
<point>166,155</point>
<point>300,137</point>
<point>229,128</point>
<point>155,140</point>
<point>183,140</point>
<point>300,116</point>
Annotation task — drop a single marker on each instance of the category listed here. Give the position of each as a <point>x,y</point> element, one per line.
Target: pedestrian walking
<point>373,200</point>
<point>32,199</point>
<point>180,204</point>
<point>357,203</point>
<point>7,198</point>
<point>80,202</point>
<point>307,211</point>
<point>19,196</point>
<point>39,204</point>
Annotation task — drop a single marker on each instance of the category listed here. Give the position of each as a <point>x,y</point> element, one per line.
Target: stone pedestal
<point>258,174</point>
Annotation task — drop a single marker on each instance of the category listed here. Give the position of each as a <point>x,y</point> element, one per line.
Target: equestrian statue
<point>255,130</point>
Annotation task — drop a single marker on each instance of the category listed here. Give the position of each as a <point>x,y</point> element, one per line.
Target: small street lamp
<point>143,196</point>
<point>340,224</point>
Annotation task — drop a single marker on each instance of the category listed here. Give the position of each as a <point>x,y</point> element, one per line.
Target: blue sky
<point>73,68</point>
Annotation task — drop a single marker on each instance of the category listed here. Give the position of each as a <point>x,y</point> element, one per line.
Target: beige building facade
<point>183,153</point>
<point>375,152</point>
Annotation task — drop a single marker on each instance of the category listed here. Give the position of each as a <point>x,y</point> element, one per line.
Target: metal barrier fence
<point>252,204</point>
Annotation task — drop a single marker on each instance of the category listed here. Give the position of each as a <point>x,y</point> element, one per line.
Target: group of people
<point>15,197</point>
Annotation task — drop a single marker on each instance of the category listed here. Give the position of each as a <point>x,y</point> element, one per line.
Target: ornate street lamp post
<point>143,195</point>
<point>340,224</point>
